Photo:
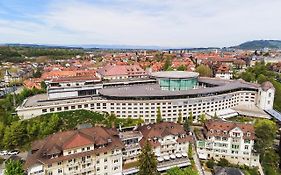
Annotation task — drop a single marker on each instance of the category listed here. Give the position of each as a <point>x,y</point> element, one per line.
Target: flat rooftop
<point>154,90</point>
<point>174,74</point>
<point>145,91</point>
<point>42,100</point>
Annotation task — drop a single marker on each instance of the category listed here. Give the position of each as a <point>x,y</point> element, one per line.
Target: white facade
<point>146,109</point>
<point>234,148</point>
<point>266,98</point>
<point>226,76</point>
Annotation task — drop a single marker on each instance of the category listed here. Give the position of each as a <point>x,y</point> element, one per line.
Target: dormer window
<point>248,134</point>
<point>211,130</point>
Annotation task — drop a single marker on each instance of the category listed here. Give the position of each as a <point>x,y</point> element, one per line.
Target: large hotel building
<point>173,92</point>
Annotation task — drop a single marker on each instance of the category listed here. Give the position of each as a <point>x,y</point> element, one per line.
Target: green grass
<point>71,119</point>
<point>242,119</point>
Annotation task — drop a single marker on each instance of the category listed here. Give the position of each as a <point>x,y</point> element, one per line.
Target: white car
<point>3,153</point>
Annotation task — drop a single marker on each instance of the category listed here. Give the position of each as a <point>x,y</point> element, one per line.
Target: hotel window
<point>59,109</point>
<point>79,106</point>
<point>66,108</point>
<point>44,110</point>
<point>52,109</point>
<point>86,105</point>
<point>72,107</point>
<point>59,171</point>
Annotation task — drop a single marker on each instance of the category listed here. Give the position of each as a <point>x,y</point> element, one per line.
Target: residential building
<point>115,72</point>
<point>224,72</point>
<point>230,140</point>
<point>96,150</point>
<point>169,142</point>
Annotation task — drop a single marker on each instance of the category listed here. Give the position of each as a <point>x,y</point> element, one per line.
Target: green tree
<point>247,76</point>
<point>167,64</point>
<point>216,116</point>
<point>261,78</point>
<point>186,125</point>
<point>13,167</point>
<point>15,135</point>
<point>158,115</point>
<point>175,171</point>
<point>265,132</point>
<point>223,162</point>
<point>147,161</point>
<point>2,131</point>
<point>179,118</point>
<point>210,163</point>
<point>181,68</point>
<point>43,85</point>
<point>37,73</point>
<point>178,171</point>
<point>204,71</point>
<point>202,118</point>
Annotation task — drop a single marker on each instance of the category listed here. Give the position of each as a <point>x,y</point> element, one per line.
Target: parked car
<point>13,152</point>
<point>3,153</point>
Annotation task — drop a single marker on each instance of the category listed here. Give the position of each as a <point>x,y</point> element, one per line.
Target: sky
<point>165,23</point>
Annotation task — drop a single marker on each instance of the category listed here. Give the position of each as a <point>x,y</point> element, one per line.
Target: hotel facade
<point>172,92</point>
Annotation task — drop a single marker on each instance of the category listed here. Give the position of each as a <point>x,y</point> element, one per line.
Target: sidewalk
<point>195,156</point>
<point>260,169</point>
<point>197,161</point>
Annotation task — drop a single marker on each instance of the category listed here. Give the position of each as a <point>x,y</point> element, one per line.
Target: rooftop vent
<point>85,125</point>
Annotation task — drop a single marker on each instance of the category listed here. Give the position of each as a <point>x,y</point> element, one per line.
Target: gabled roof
<point>161,130</point>
<point>114,70</point>
<point>217,128</point>
<point>55,144</point>
<point>77,140</point>
<point>267,85</point>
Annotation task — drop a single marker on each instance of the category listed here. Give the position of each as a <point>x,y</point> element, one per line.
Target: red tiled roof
<point>114,70</point>
<point>217,128</point>
<point>160,130</point>
<point>60,141</point>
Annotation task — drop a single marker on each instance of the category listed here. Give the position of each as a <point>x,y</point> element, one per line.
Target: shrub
<point>210,163</point>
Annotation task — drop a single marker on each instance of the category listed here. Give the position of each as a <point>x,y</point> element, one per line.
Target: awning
<point>172,156</point>
<point>160,159</point>
<point>178,155</point>
<point>166,157</point>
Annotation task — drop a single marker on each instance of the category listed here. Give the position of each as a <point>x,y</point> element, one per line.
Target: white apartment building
<point>229,140</point>
<point>169,142</point>
<point>85,151</point>
<point>105,151</point>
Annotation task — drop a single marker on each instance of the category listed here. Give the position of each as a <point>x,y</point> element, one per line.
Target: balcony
<point>162,166</point>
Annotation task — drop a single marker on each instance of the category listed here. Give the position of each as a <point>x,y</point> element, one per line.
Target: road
<point>23,156</point>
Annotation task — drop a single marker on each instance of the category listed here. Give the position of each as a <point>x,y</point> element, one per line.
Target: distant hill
<point>85,46</point>
<point>260,44</point>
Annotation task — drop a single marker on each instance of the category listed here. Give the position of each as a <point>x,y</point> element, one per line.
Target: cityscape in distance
<point>122,87</point>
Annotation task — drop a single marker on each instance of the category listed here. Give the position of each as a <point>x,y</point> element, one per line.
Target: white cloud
<point>186,23</point>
